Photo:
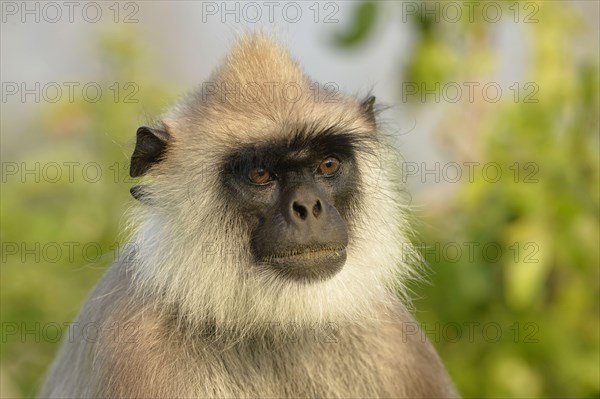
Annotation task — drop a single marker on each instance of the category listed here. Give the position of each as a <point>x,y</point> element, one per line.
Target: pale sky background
<point>188,49</point>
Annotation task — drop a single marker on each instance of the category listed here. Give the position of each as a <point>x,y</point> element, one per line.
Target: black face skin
<point>297,195</point>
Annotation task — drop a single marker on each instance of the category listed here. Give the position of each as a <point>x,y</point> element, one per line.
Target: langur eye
<point>329,166</point>
<point>260,176</point>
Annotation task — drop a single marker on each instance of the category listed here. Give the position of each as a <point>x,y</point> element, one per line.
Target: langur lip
<point>307,254</point>
<point>308,266</point>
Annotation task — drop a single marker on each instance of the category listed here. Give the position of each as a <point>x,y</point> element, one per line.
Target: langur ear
<point>150,147</point>
<point>368,108</point>
<point>140,193</point>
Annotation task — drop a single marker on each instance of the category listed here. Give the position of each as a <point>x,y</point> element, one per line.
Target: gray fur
<point>178,322</point>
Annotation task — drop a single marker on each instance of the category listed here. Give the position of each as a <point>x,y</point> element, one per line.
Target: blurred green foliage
<point>526,323</point>
<point>523,325</point>
<point>66,230</point>
<point>363,21</point>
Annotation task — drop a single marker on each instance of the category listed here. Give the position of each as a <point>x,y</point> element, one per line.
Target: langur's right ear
<point>368,108</point>
<point>150,147</point>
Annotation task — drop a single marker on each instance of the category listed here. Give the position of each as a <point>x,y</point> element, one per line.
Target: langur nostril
<point>317,209</point>
<point>300,210</point>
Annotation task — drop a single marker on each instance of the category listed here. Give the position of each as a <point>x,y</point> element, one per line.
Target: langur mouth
<point>309,253</point>
<point>306,265</point>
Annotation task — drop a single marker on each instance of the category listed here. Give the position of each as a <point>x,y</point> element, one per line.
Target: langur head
<point>268,198</point>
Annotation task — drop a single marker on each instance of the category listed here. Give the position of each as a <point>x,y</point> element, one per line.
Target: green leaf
<point>364,18</point>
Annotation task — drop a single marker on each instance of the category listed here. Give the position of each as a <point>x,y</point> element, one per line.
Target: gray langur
<point>267,255</point>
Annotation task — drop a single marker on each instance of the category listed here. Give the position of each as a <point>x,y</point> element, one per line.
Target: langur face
<point>296,196</point>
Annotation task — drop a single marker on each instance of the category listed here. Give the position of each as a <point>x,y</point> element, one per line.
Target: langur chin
<point>268,256</point>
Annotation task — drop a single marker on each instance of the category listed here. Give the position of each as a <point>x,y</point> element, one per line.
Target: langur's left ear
<point>150,147</point>
<point>141,193</point>
<point>368,108</point>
